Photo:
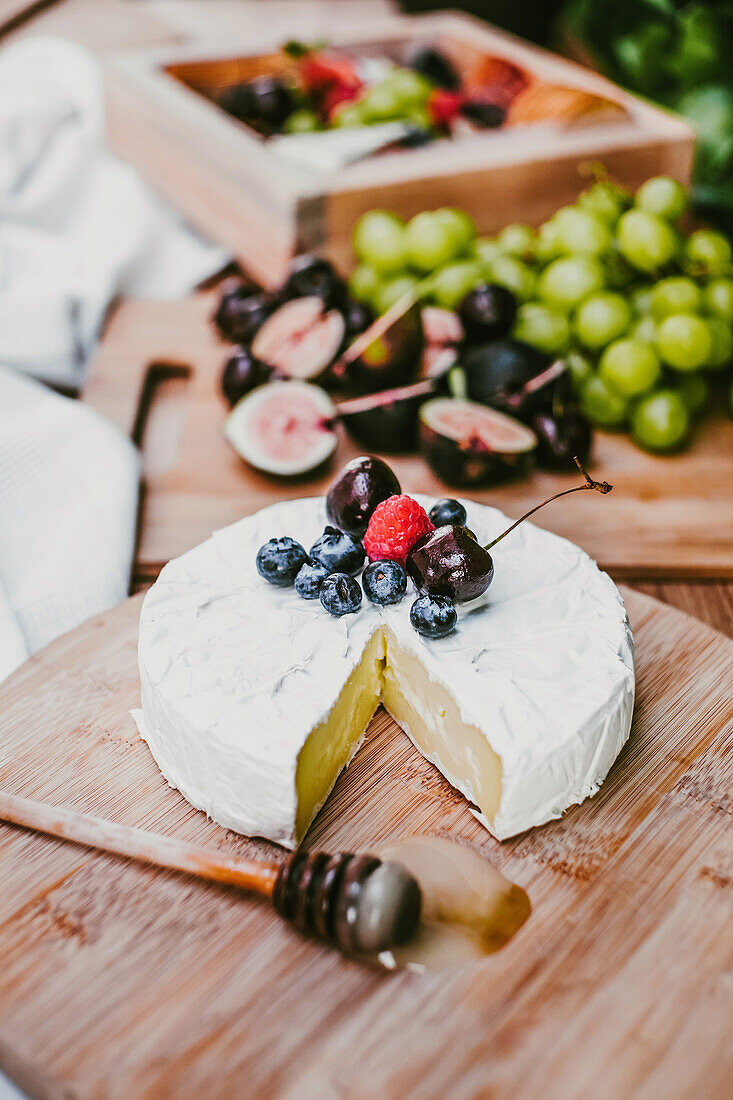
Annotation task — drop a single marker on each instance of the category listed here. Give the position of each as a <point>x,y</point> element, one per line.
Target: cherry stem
<point>599,486</point>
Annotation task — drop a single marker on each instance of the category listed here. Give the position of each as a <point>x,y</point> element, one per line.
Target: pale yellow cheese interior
<point>427,710</point>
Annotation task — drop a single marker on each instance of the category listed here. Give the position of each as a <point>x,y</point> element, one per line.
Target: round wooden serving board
<point>118,980</point>
<point>157,376</point>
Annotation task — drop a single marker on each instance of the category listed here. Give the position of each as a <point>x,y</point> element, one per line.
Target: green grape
<point>721,351</point>
<point>419,116</point>
<point>606,201</point>
<point>641,299</point>
<point>579,231</point>
<point>677,294</point>
<point>451,283</point>
<point>380,103</point>
<point>544,328</point>
<point>645,329</point>
<point>347,116</point>
<point>709,251</point>
<point>509,272</point>
<point>684,341</point>
<point>547,247</point>
<point>302,121</point>
<point>662,196</point>
<point>695,392</point>
<point>660,421</point>
<point>618,274</point>
<point>517,240</point>
<point>602,405</point>
<point>389,293</point>
<point>459,223</point>
<point>566,282</point>
<point>380,241</point>
<point>430,242</point>
<point>364,283</point>
<point>647,241</point>
<point>630,367</point>
<point>485,250</point>
<point>718,298</point>
<point>408,87</point>
<point>601,319</point>
<point>579,368</point>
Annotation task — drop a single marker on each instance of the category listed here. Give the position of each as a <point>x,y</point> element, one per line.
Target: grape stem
<point>599,486</point>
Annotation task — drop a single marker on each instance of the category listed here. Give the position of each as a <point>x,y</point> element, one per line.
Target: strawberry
<point>444,106</point>
<point>394,528</point>
<point>319,71</point>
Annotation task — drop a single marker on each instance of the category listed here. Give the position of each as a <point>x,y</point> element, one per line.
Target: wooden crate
<point>163,116</point>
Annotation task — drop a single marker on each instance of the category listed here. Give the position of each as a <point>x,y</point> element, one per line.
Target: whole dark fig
<point>360,487</point>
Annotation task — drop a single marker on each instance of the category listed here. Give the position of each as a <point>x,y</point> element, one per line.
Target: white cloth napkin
<point>68,501</point>
<point>77,227</point>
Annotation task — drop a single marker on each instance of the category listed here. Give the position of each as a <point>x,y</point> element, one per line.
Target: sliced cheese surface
<point>253,699</point>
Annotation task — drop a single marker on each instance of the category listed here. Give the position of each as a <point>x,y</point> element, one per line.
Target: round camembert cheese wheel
<point>253,699</point>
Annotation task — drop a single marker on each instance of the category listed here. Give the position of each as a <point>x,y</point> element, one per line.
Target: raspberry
<point>396,525</point>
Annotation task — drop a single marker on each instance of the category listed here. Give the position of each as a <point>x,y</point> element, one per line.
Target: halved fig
<point>284,428</point>
<point>301,339</point>
<point>386,421</point>
<point>468,444</point>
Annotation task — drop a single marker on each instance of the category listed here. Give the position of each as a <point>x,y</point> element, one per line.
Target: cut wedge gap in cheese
<point>426,712</point>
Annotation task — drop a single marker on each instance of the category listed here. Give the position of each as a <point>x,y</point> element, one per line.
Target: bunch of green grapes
<point>642,313</point>
<point>401,96</point>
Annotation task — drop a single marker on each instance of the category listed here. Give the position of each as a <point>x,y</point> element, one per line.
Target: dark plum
<point>314,275</point>
<point>433,64</point>
<point>449,562</point>
<point>488,116</point>
<point>499,372</point>
<point>361,486</point>
<point>241,312</point>
<point>358,317</point>
<point>561,439</point>
<point>264,103</point>
<point>242,372</point>
<point>488,312</point>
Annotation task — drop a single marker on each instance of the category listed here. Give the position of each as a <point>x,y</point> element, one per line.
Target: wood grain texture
<point>229,183</point>
<point>120,981</point>
<point>666,518</point>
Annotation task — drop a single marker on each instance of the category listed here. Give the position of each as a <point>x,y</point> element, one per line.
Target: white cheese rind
<point>235,674</point>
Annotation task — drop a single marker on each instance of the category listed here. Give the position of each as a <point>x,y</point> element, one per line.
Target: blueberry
<point>447,513</point>
<point>341,594</point>
<point>338,551</point>
<point>433,616</point>
<point>279,561</point>
<point>309,580</point>
<point>385,582</point>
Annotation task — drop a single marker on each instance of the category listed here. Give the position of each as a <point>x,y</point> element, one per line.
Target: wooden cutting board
<point>122,981</point>
<point>157,376</point>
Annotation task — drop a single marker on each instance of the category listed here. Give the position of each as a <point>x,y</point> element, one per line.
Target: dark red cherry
<point>449,562</point>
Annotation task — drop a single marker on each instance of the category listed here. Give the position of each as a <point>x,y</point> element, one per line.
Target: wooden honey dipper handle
<point>358,903</point>
<point>139,844</point>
